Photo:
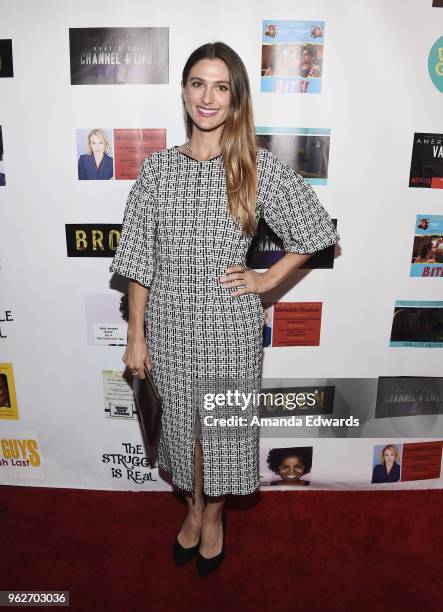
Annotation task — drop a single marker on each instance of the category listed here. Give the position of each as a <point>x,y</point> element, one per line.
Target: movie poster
<point>268,313</point>
<point>104,154</point>
<point>285,466</point>
<point>21,456</point>
<point>427,161</point>
<point>305,150</point>
<point>405,462</point>
<point>292,56</point>
<point>92,239</point>
<point>427,250</point>
<point>106,319</point>
<point>421,460</point>
<point>8,401</point>
<point>404,396</point>
<point>132,146</point>
<point>296,324</point>
<point>126,465</point>
<point>119,56</point>
<point>2,161</point>
<point>6,65</point>
<point>95,158</point>
<point>386,463</point>
<point>118,396</point>
<point>266,248</point>
<point>417,324</point>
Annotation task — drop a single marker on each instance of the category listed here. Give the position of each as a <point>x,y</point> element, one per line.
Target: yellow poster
<point>8,401</point>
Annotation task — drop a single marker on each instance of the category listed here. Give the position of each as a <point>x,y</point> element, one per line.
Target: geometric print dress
<point>178,239</point>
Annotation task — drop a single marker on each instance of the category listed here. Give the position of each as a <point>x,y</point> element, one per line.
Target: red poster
<point>132,146</point>
<point>296,324</point>
<point>421,460</point>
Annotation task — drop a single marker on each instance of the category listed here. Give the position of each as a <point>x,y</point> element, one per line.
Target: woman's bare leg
<point>202,520</point>
<point>189,534</point>
<point>212,529</point>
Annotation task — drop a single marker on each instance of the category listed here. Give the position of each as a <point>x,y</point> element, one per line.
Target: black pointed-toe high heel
<point>182,555</point>
<point>206,566</point>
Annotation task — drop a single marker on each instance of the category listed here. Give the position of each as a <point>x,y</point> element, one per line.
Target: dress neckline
<point>199,161</point>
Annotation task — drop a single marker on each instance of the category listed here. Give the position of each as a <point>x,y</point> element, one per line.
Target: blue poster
<point>417,324</point>
<point>427,250</point>
<point>306,150</point>
<point>292,56</point>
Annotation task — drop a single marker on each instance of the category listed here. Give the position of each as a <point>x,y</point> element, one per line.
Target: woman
<point>426,254</point>
<point>189,220</point>
<point>267,326</point>
<point>97,164</point>
<point>316,32</point>
<point>308,67</point>
<point>290,464</point>
<point>389,468</point>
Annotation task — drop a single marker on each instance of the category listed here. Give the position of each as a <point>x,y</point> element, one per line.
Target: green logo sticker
<point>435,64</point>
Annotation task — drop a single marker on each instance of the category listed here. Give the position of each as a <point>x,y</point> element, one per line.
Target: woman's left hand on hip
<point>248,280</point>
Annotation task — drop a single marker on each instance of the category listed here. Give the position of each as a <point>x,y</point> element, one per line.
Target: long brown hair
<point>238,142</point>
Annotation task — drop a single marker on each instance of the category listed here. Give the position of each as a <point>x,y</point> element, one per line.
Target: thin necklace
<point>190,150</point>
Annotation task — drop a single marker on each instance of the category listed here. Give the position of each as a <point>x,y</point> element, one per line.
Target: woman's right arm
<point>135,259</point>
<point>136,355</point>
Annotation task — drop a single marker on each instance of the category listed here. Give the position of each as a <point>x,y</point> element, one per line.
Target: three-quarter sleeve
<point>296,215</point>
<point>135,254</point>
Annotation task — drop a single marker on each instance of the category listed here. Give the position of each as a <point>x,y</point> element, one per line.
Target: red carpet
<point>378,551</point>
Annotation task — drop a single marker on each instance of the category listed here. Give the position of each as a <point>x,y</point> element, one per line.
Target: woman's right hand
<point>137,357</point>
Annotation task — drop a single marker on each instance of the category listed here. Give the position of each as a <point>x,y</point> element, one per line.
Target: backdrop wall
<point>68,420</point>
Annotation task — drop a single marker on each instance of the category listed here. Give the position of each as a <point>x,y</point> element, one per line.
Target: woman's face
<point>97,144</point>
<point>389,455</point>
<point>291,468</point>
<point>207,94</point>
<point>307,57</point>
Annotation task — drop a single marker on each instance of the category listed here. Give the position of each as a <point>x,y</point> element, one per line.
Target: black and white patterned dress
<point>178,239</point>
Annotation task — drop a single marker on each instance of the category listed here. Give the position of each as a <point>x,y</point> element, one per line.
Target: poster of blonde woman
<point>386,463</point>
<point>94,148</point>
